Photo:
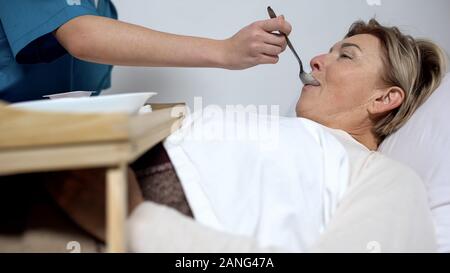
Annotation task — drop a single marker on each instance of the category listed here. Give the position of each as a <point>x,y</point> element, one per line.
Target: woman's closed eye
<point>345,56</point>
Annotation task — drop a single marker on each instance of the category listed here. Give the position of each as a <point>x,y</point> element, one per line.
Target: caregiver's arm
<point>103,40</point>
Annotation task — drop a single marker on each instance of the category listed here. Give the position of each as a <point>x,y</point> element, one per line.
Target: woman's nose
<point>317,62</point>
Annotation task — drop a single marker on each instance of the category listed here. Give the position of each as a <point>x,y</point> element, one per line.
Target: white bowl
<point>125,103</point>
<point>73,94</point>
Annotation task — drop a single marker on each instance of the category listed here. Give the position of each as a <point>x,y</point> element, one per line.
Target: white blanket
<point>279,186</point>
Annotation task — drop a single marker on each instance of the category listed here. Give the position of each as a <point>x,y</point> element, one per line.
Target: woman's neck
<point>368,140</point>
<point>365,136</point>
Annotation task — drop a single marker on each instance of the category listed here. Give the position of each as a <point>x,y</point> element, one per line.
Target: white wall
<point>317,25</point>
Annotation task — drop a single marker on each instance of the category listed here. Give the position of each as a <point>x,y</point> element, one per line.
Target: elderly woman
<point>323,187</point>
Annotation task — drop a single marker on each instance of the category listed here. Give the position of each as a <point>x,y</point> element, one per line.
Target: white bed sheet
<point>280,189</point>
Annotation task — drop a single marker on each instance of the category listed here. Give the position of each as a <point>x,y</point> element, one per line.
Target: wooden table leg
<point>116,208</point>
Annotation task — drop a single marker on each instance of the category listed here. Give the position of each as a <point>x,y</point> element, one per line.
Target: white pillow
<point>423,143</point>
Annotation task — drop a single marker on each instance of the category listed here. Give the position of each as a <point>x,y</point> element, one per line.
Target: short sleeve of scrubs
<point>28,26</point>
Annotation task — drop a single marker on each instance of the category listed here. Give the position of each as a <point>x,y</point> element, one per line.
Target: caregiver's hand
<point>256,44</point>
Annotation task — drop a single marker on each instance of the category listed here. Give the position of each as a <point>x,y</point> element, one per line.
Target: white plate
<point>125,103</point>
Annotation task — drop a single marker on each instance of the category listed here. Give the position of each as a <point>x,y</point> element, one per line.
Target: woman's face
<point>349,75</point>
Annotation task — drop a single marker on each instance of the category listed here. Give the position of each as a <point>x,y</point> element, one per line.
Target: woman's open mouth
<point>308,79</point>
<point>312,84</point>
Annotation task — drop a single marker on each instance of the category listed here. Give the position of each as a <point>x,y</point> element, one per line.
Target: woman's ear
<point>386,100</point>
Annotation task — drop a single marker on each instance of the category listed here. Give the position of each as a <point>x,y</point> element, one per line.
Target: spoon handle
<point>295,53</point>
<point>291,47</point>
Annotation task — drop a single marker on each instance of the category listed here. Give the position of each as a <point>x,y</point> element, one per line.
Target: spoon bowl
<point>308,79</point>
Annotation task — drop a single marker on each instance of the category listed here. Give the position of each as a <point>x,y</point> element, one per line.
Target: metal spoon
<point>306,78</point>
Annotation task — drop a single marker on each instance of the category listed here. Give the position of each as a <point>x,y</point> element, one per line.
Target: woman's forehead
<point>366,43</point>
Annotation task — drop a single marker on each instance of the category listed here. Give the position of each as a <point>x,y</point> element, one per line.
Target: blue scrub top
<point>32,62</point>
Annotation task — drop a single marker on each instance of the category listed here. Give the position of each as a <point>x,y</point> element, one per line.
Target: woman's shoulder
<point>387,201</point>
<point>367,165</point>
<point>381,172</point>
<point>380,163</point>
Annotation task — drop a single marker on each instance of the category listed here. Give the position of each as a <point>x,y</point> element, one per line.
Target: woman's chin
<point>307,108</point>
<point>300,111</point>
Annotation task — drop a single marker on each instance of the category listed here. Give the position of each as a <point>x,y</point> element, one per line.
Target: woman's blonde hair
<point>415,65</point>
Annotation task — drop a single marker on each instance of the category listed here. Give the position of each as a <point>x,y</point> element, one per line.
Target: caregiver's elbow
<point>76,36</point>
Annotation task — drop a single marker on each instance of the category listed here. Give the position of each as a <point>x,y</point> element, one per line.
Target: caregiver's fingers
<point>276,39</point>
<point>247,47</point>
<point>268,59</point>
<point>276,24</point>
<point>269,49</point>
